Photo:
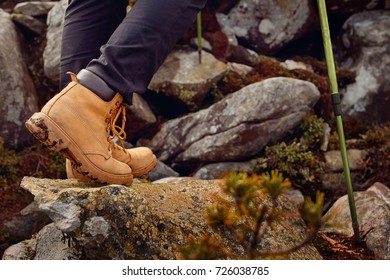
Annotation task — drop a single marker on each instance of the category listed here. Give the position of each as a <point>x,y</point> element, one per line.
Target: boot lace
<point>117,131</point>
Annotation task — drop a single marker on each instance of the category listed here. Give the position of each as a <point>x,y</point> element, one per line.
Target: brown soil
<point>339,247</point>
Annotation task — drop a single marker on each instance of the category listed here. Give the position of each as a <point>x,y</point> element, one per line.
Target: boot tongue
<point>96,84</point>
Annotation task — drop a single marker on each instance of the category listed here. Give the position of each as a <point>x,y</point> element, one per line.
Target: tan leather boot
<point>76,122</point>
<point>140,159</point>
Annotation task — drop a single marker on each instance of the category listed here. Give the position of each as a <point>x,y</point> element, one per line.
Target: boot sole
<point>45,130</point>
<point>73,174</point>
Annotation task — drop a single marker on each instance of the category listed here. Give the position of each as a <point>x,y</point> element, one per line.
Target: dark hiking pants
<point>125,50</point>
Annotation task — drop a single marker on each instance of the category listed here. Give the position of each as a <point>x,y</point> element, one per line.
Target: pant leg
<point>141,43</point>
<point>88,25</point>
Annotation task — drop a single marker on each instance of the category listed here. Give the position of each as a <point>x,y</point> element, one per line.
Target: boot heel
<point>47,132</point>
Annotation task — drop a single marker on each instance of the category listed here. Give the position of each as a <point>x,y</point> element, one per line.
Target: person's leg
<point>141,43</point>
<point>76,122</point>
<point>88,25</point>
<point>131,57</point>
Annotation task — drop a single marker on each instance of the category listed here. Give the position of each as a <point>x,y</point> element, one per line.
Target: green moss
<point>378,135</point>
<point>233,82</point>
<point>311,130</point>
<point>296,162</point>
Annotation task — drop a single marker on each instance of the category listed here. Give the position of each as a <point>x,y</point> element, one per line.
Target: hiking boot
<point>141,161</point>
<point>77,123</point>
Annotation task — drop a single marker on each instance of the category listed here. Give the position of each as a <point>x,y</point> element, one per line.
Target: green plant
<point>247,208</point>
<point>311,130</point>
<point>378,135</point>
<point>294,161</point>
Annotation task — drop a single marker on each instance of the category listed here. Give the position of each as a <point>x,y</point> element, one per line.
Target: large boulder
<point>364,48</point>
<point>34,8</point>
<point>267,26</point>
<point>51,55</point>
<point>139,118</point>
<point>48,244</point>
<point>239,126</point>
<point>30,15</point>
<point>17,92</point>
<point>183,77</point>
<point>23,225</point>
<point>144,221</point>
<point>373,213</point>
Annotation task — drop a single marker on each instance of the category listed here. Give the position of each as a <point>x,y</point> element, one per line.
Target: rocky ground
<point>37,162</point>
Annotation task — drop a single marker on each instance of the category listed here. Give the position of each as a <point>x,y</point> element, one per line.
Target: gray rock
<point>215,170</point>
<point>206,46</point>
<point>240,69</point>
<point>139,118</point>
<point>335,182</point>
<point>269,25</point>
<point>17,92</point>
<point>48,244</point>
<point>30,23</point>
<point>334,163</point>
<point>364,48</point>
<point>34,8</point>
<point>239,126</point>
<point>65,217</point>
<point>141,110</point>
<point>29,221</point>
<point>50,237</point>
<point>292,65</point>
<point>161,171</point>
<point>183,77</point>
<point>325,137</point>
<point>24,250</point>
<point>373,213</point>
<point>51,54</point>
<point>146,221</point>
